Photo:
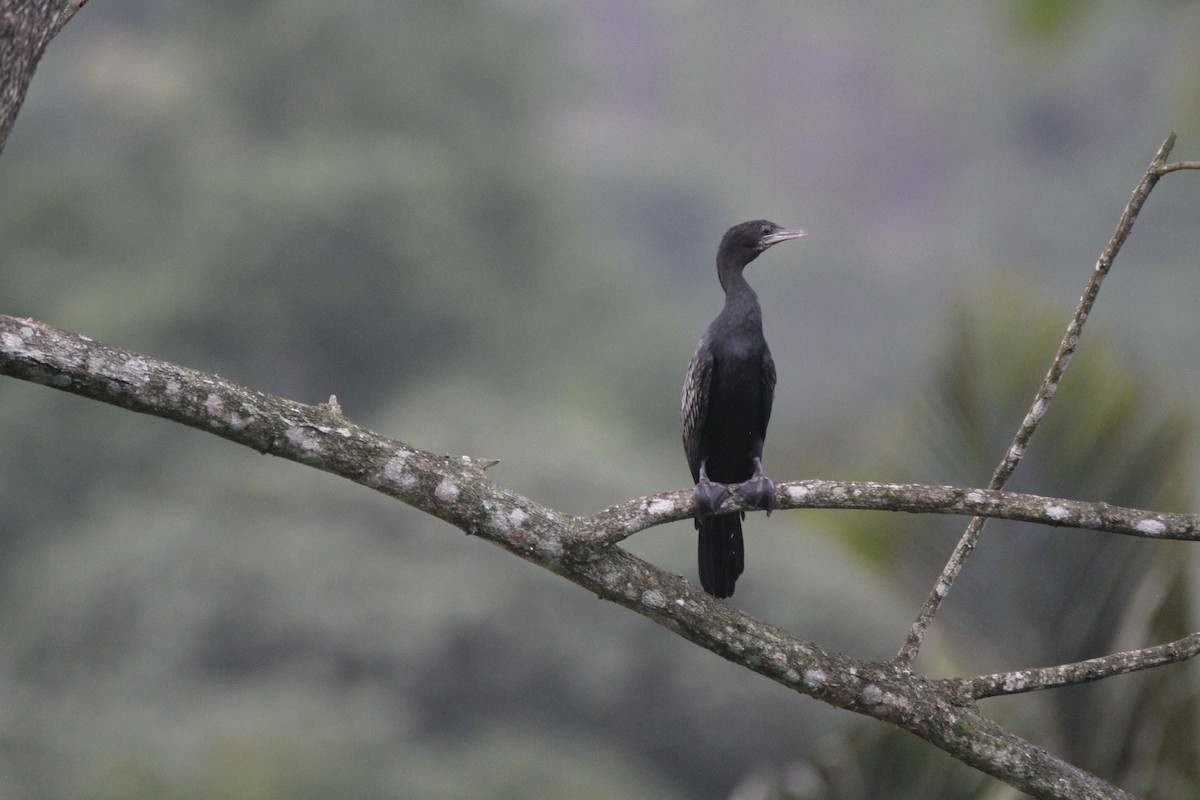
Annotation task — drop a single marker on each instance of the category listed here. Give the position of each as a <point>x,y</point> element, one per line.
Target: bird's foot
<point>759,491</point>
<point>709,496</point>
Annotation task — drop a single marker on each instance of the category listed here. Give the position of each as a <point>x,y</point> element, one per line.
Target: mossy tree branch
<point>26,27</point>
<point>583,549</point>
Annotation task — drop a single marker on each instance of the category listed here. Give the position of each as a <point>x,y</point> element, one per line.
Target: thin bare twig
<point>967,690</point>
<point>614,525</point>
<point>1178,165</point>
<point>1041,402</point>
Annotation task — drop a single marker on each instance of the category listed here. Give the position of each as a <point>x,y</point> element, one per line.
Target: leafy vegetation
<point>487,227</point>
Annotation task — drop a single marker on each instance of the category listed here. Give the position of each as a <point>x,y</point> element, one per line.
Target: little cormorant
<point>726,405</point>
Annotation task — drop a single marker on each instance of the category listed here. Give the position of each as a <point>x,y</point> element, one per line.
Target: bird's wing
<point>694,404</point>
<point>768,387</point>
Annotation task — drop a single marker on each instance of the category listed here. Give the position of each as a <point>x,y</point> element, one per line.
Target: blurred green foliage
<point>1048,18</point>
<point>488,228</point>
<point>1031,596</point>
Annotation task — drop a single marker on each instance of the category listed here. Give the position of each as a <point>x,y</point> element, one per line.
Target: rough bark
<point>583,549</point>
<point>26,27</point>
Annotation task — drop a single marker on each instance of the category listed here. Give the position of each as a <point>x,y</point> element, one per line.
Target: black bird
<point>726,405</point>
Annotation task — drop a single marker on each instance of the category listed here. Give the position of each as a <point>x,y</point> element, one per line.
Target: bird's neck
<point>741,303</point>
<point>734,284</point>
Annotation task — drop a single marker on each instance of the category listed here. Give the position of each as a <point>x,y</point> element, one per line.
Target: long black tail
<point>722,555</point>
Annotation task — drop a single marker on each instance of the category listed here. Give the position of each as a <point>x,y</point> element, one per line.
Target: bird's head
<point>746,241</point>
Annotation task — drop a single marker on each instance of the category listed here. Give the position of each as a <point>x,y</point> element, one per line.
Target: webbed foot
<point>759,491</point>
<point>709,496</point>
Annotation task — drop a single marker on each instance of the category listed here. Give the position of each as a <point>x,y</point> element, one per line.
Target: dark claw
<point>709,496</point>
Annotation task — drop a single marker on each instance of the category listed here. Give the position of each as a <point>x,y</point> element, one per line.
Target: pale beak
<point>781,236</point>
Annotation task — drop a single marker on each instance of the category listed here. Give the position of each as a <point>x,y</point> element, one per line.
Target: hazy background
<point>489,228</point>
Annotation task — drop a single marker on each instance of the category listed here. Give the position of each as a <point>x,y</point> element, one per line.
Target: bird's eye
<point>766,229</point>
